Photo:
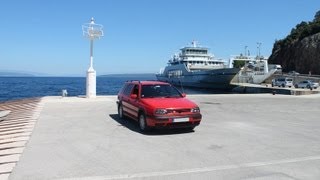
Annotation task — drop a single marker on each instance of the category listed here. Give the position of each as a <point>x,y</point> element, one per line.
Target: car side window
<point>127,91</point>
<point>123,88</point>
<point>136,90</point>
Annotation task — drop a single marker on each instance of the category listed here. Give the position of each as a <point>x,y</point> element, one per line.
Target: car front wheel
<point>143,123</point>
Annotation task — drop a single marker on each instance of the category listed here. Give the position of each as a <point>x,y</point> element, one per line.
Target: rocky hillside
<point>300,50</point>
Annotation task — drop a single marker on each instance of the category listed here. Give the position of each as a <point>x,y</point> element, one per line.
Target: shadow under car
<point>133,126</point>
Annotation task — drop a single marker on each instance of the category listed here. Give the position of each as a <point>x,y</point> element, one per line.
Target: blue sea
<point>12,88</point>
<point>27,87</point>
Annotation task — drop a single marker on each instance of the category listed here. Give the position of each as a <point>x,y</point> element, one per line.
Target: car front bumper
<point>170,122</point>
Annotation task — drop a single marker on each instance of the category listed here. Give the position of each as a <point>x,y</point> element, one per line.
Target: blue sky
<point>140,35</point>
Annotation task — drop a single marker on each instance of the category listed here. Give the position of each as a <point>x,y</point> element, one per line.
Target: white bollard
<point>64,93</point>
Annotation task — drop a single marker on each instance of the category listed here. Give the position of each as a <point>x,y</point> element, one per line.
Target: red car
<point>157,104</point>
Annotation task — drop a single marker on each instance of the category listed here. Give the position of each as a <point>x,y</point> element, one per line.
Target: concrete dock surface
<point>247,136</point>
<point>267,88</point>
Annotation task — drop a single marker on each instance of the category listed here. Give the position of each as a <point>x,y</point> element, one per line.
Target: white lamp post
<point>91,31</point>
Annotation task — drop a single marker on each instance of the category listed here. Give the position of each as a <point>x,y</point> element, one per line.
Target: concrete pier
<point>267,88</point>
<point>246,136</point>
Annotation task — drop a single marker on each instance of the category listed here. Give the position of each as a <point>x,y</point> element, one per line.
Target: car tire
<point>143,123</point>
<point>296,86</point>
<point>283,85</point>
<point>120,111</point>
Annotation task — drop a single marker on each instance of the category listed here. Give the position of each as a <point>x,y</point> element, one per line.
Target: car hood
<point>169,102</point>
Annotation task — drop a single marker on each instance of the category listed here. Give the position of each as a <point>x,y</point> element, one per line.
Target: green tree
<point>238,64</point>
<point>317,17</point>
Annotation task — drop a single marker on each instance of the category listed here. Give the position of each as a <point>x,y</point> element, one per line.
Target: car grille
<point>174,111</point>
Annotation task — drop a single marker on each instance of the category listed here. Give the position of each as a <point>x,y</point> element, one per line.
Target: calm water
<point>27,87</point>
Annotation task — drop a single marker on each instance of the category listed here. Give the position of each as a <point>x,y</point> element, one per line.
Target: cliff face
<point>302,55</point>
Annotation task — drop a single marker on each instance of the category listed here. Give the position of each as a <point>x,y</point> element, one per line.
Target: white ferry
<point>195,67</point>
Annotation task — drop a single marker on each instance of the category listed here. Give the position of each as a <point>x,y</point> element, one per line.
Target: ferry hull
<point>211,79</point>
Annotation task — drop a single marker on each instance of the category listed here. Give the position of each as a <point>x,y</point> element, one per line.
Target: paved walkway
<point>241,137</point>
<point>15,131</point>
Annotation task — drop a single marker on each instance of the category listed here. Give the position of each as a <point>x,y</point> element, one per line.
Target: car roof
<point>148,82</point>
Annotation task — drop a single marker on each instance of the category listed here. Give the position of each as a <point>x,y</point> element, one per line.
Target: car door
<point>125,98</point>
<point>130,102</point>
<point>135,101</point>
<point>305,84</point>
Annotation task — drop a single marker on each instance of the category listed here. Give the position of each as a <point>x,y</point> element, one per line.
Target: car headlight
<point>161,111</point>
<point>195,110</point>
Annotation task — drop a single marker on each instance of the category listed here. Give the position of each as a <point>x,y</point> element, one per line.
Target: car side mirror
<point>184,94</point>
<point>133,96</point>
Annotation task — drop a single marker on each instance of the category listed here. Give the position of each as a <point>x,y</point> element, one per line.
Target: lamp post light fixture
<point>92,32</point>
<point>259,47</point>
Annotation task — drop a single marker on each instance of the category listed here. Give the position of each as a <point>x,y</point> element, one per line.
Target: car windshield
<point>159,90</point>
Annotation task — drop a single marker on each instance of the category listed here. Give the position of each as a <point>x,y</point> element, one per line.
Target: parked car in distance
<point>307,84</point>
<point>293,73</point>
<point>282,82</point>
<point>155,104</point>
